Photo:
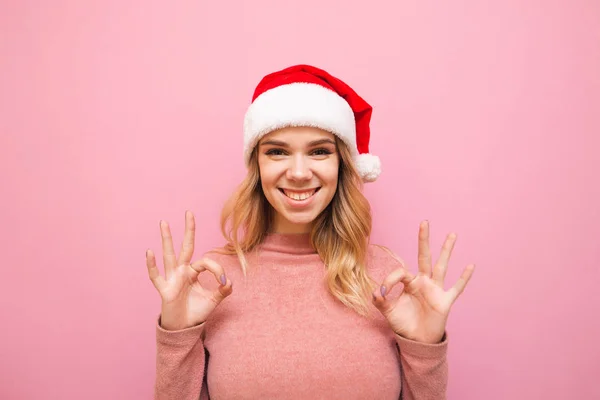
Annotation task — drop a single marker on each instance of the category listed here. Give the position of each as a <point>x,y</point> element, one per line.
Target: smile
<point>298,195</point>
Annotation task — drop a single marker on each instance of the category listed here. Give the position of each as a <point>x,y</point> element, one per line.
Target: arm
<point>180,362</point>
<point>424,369</point>
<point>419,315</point>
<point>185,306</point>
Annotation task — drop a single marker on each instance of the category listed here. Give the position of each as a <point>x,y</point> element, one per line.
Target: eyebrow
<point>310,144</point>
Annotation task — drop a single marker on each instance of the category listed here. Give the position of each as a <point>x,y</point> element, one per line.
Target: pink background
<point>114,115</point>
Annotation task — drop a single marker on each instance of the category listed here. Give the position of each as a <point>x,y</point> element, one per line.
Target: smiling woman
<point>299,174</point>
<point>313,314</point>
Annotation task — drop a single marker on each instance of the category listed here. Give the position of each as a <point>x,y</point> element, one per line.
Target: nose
<point>299,168</point>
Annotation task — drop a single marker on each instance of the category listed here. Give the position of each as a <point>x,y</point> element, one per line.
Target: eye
<point>274,152</point>
<point>321,152</point>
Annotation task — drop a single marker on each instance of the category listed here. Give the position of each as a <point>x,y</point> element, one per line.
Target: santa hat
<point>303,95</point>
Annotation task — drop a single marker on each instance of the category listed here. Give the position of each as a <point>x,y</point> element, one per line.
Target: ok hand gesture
<point>420,312</point>
<point>185,302</point>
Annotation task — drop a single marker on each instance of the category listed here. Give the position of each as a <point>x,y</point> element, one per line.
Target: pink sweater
<point>281,335</point>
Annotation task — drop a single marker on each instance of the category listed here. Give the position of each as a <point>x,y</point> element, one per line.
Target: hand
<point>420,312</point>
<point>185,303</point>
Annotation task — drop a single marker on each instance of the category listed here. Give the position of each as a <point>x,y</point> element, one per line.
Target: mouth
<point>299,195</point>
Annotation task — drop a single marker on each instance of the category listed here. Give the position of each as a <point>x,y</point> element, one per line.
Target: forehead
<point>298,135</point>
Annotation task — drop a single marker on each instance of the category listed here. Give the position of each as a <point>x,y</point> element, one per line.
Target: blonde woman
<point>298,304</point>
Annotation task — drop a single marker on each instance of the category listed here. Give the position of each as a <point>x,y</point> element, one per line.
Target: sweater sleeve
<point>180,362</point>
<point>424,369</point>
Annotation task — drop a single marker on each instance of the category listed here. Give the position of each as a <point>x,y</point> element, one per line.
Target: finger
<point>381,298</point>
<point>187,246</point>
<point>460,285</point>
<point>381,303</point>
<point>153,273</point>
<point>168,251</point>
<point>206,264</point>
<point>399,275</point>
<point>225,285</point>
<point>441,267</point>
<point>424,253</point>
<point>223,291</point>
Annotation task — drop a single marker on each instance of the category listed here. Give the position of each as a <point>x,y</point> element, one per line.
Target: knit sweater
<point>282,335</point>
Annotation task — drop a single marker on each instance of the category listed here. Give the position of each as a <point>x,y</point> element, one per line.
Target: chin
<point>300,219</point>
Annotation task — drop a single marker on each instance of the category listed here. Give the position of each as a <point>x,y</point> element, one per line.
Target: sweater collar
<point>291,243</point>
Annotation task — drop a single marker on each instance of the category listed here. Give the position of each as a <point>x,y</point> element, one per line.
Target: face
<point>299,174</point>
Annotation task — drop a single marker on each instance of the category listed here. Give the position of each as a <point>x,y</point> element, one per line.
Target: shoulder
<point>381,260</point>
<point>229,263</point>
<point>382,254</point>
<point>221,256</point>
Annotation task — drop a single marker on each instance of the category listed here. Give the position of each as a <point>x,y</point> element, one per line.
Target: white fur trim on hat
<point>368,166</point>
<point>299,104</point>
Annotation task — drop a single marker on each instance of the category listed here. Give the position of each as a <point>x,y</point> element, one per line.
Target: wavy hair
<point>340,234</point>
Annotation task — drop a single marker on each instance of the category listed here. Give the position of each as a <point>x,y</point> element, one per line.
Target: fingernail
<point>383,290</point>
<point>223,280</point>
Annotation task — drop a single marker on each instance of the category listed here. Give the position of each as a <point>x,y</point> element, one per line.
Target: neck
<point>290,243</point>
<point>283,226</point>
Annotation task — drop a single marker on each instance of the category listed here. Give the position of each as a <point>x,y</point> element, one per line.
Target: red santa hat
<point>303,95</point>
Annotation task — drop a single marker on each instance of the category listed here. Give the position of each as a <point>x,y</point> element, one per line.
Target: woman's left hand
<point>420,312</point>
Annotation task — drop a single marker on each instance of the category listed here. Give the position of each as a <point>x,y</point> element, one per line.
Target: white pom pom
<point>368,166</point>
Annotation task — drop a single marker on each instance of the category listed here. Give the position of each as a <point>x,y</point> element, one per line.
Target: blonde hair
<point>340,234</point>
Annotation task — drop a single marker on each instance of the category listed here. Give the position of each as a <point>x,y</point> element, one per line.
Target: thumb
<point>383,304</point>
<point>381,299</point>
<point>223,291</point>
<point>225,285</point>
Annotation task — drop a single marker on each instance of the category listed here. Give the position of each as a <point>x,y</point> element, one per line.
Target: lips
<point>299,195</point>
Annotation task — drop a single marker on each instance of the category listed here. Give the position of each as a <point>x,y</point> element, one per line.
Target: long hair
<point>340,234</point>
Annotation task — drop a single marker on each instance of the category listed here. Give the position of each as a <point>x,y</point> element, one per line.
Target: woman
<point>314,314</point>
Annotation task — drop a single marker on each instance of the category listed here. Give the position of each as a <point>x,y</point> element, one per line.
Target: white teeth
<point>299,196</point>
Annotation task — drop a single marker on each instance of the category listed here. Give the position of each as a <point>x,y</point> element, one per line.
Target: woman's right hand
<point>185,303</point>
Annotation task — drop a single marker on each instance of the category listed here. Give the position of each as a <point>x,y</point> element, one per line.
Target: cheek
<point>330,173</point>
<point>268,175</point>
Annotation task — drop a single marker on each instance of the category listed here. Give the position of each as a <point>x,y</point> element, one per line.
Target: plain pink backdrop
<point>116,114</point>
